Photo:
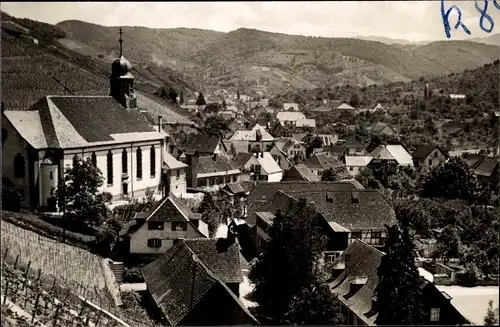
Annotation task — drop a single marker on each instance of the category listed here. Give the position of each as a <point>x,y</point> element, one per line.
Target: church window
<point>110,167</point>
<point>152,161</point>
<point>124,161</point>
<point>19,166</point>
<point>139,163</point>
<point>93,158</point>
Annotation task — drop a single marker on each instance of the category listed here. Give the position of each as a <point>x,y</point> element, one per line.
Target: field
<point>71,266</point>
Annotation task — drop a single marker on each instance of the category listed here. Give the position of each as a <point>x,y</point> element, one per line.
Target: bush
<point>11,198</point>
<point>132,275</point>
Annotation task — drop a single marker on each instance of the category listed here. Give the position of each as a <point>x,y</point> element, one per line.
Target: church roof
<point>80,121</point>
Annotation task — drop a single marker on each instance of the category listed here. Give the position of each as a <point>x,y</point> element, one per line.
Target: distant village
<point>191,195</point>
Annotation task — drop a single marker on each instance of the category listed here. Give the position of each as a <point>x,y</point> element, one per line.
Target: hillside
<point>253,59</point>
<point>30,71</point>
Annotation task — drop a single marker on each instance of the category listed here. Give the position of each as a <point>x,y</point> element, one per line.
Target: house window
<point>155,225</point>
<point>109,163</point>
<point>93,158</point>
<point>211,181</point>
<point>356,235</point>
<point>249,147</point>
<point>351,168</point>
<point>435,154</point>
<point>51,175</point>
<point>179,225</point>
<point>75,160</point>
<point>347,257</point>
<point>177,174</point>
<point>171,149</point>
<point>331,256</point>
<point>152,161</point>
<point>376,238</point>
<point>139,163</point>
<point>430,162</point>
<point>19,166</point>
<point>435,313</point>
<point>124,161</point>
<point>154,243</point>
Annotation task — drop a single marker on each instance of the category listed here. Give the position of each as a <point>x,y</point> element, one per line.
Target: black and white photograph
<point>244,163</point>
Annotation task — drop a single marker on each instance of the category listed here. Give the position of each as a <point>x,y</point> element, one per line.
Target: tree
<point>398,292</point>
<point>215,126</point>
<point>201,100</point>
<point>78,193</point>
<point>314,142</point>
<point>355,100</point>
<point>330,175</point>
<point>491,319</point>
<point>172,94</point>
<point>224,104</point>
<point>210,214</point>
<point>181,98</point>
<point>453,180</point>
<point>286,273</point>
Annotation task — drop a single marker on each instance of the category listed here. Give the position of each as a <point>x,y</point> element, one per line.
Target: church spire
<point>121,42</point>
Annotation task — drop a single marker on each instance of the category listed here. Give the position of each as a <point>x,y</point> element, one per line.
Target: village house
<point>382,129</point>
<point>174,175</point>
<point>289,118</point>
<point>299,173</point>
<point>280,156</point>
<point>204,145</point>
<point>344,107</point>
<point>244,140</point>
<point>259,166</point>
<point>290,107</point>
<point>210,173</point>
<point>355,164</point>
<point>392,154</point>
<point>197,283</point>
<point>349,147</point>
<point>427,156</point>
<point>41,142</point>
<point>320,162</point>
<point>153,232</point>
<point>451,128</point>
<point>328,139</point>
<point>485,168</point>
<point>354,279</point>
<point>292,148</point>
<point>343,216</point>
<point>306,123</point>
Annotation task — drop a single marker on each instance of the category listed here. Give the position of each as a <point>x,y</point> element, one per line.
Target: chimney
<point>160,123</point>
<point>192,170</point>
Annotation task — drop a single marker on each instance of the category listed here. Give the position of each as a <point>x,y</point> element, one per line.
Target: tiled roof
<point>345,106</point>
<point>265,160</point>
<point>244,135</point>
<point>352,143</point>
<point>207,165</point>
<point>486,167</point>
<point>371,211</point>
<point>29,125</point>
<point>423,151</point>
<point>299,136</point>
<point>241,159</point>
<point>222,260</point>
<point>400,154</point>
<point>474,160</point>
<point>323,161</point>
<point>81,121</point>
<point>300,172</point>
<point>381,153</point>
<point>200,143</point>
<point>179,280</point>
<point>378,127</point>
<point>364,261</point>
<point>264,191</point>
<point>171,209</point>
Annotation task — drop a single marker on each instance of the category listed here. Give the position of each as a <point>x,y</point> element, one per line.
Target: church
<point>38,144</point>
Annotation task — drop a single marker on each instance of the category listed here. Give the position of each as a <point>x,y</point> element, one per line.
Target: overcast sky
<point>411,20</point>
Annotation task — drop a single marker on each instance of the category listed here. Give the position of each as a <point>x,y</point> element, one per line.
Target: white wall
<point>275,177</point>
<point>178,186</point>
<point>354,170</point>
<point>139,239</point>
<point>435,161</point>
<point>136,187</point>
<point>203,183</point>
<point>49,176</point>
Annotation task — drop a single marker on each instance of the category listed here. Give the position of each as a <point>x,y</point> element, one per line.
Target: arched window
<point>152,161</point>
<point>75,160</point>
<point>124,161</point>
<point>19,166</point>
<point>93,158</point>
<point>110,167</point>
<point>139,163</point>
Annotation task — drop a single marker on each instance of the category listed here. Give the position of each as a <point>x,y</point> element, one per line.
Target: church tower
<point>122,81</point>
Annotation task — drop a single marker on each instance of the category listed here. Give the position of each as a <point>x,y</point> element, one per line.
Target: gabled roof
<point>201,143</point>
<point>486,167</point>
<point>357,161</point>
<point>244,135</point>
<point>351,143</point>
<point>474,160</point>
<point>265,159</point>
<point>393,152</point>
<point>221,165</point>
<point>379,127</point>
<point>170,209</point>
<point>299,136</point>
<point>345,106</point>
<point>424,150</point>
<point>81,121</point>
<point>371,211</point>
<point>300,172</point>
<point>180,278</point>
<point>170,162</point>
<point>323,161</point>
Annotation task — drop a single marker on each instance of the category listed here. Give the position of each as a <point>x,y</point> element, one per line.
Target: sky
<point>409,20</point>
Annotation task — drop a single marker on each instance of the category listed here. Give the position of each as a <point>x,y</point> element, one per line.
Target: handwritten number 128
<point>484,15</point>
